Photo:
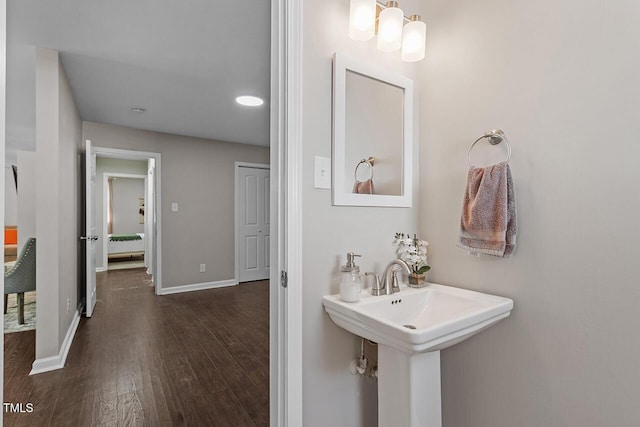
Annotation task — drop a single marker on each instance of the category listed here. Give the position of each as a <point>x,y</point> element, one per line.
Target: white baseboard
<point>100,269</point>
<point>57,362</point>
<point>198,287</point>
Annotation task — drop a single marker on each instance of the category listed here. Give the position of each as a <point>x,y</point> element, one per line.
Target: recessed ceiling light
<point>138,109</point>
<point>249,101</point>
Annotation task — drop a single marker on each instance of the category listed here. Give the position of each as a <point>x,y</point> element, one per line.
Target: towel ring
<point>369,162</point>
<point>495,137</point>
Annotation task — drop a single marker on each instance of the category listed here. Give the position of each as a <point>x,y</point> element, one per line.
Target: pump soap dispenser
<point>350,282</point>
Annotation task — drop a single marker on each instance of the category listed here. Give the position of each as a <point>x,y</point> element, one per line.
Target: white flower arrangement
<point>413,251</point>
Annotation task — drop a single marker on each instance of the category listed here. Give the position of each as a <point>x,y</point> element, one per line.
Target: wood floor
<point>197,358</point>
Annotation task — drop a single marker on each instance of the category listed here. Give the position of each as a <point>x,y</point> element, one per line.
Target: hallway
<point>196,358</point>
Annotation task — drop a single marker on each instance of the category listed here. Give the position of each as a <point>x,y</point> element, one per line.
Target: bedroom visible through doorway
<point>127,192</point>
<point>121,213</point>
<point>125,220</point>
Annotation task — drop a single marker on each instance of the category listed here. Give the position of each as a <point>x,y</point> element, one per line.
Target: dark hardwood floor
<point>197,358</point>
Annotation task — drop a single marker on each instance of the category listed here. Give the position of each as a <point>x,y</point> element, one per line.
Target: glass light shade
<point>414,37</point>
<point>390,29</point>
<point>362,19</point>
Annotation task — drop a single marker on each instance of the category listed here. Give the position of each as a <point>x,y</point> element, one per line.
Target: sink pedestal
<point>408,388</point>
<point>411,328</point>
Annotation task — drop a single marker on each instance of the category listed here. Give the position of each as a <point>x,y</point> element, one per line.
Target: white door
<point>253,222</point>
<point>90,235</point>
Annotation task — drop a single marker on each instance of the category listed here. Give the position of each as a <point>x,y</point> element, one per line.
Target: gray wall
<point>331,395</point>
<point>58,144</point>
<point>197,174</point>
<point>561,78</point>
<point>107,165</point>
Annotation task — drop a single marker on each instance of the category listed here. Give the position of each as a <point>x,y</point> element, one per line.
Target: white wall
<point>561,79</point>
<point>26,196</point>
<point>58,144</point>
<point>331,395</point>
<point>10,198</point>
<point>197,174</point>
<point>107,165</point>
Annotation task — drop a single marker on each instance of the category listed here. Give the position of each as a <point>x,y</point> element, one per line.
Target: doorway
<point>285,102</point>
<point>124,221</point>
<point>143,219</point>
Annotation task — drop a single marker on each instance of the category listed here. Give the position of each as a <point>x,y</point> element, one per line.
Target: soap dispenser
<point>350,283</point>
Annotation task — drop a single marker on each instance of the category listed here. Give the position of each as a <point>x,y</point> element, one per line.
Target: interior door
<point>253,219</point>
<point>90,235</point>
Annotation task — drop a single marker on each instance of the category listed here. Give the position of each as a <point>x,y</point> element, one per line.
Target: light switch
<point>174,207</point>
<point>323,173</point>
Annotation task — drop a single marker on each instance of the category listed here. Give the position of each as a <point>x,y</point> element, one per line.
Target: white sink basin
<point>411,327</point>
<point>441,315</point>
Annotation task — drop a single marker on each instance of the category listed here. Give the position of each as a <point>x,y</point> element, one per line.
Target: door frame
<point>116,153</point>
<point>3,104</point>
<point>105,208</point>
<point>236,210</point>
<point>285,346</point>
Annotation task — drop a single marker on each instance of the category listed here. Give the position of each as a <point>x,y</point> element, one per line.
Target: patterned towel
<point>488,222</point>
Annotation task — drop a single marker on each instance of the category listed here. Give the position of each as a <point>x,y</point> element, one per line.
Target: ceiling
<point>184,61</point>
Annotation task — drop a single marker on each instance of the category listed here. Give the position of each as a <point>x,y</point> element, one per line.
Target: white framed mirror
<point>372,135</point>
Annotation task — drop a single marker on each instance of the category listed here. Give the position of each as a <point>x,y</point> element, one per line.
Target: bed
<point>120,244</point>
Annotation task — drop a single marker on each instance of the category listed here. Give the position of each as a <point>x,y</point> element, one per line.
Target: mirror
<point>372,135</point>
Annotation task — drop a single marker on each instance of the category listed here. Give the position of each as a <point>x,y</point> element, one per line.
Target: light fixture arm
<point>383,5</point>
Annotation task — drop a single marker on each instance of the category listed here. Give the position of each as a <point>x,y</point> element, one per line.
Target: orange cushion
<point>10,236</point>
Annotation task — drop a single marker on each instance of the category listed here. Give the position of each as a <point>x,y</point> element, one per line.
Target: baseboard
<point>198,287</point>
<point>57,362</point>
<point>100,269</point>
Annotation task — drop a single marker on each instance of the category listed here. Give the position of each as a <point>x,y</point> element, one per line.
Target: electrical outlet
<point>203,268</point>
<point>174,207</point>
<point>68,305</point>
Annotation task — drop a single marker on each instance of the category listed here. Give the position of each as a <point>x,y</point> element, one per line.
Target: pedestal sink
<point>411,327</point>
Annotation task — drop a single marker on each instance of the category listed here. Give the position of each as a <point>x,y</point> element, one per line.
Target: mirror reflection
<point>372,138</point>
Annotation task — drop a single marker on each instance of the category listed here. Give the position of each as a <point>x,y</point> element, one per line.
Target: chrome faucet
<point>389,283</point>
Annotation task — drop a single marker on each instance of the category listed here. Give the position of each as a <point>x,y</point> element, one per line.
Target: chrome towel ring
<point>369,162</point>
<point>495,137</point>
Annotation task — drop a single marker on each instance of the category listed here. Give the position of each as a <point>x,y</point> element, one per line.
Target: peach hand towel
<point>363,187</point>
<point>488,222</point>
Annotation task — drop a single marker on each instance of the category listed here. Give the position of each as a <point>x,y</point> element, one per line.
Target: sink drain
<point>409,326</point>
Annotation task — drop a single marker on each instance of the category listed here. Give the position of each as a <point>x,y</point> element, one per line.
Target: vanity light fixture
<point>249,101</point>
<point>390,23</point>
<point>368,16</point>
<point>413,39</point>
<point>362,19</point>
